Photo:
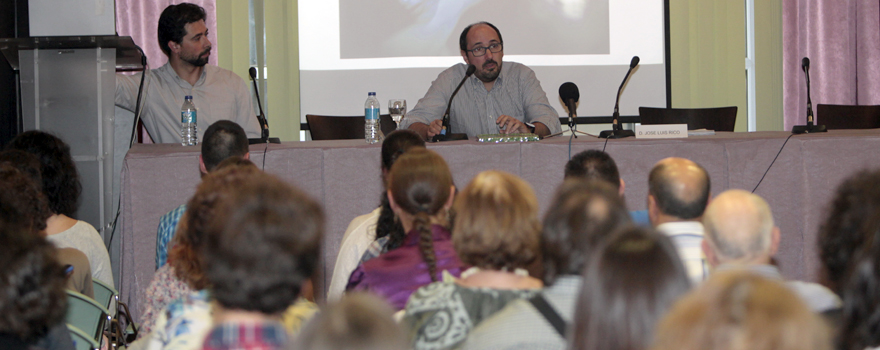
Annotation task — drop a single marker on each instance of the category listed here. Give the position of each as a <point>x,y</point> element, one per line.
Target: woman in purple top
<point>420,192</point>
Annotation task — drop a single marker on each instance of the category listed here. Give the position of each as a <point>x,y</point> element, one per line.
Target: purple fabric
<point>842,40</point>
<point>396,274</point>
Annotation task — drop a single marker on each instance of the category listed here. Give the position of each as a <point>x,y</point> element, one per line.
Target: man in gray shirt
<point>217,93</point>
<point>501,97</point>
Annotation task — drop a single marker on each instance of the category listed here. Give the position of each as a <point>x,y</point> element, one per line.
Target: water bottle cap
<point>371,94</point>
<point>188,97</point>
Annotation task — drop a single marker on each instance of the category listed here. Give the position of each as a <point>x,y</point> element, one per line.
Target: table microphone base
<point>257,140</point>
<point>450,137</point>
<point>808,129</point>
<point>616,134</point>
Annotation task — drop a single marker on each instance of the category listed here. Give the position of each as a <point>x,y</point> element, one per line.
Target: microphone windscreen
<point>253,73</point>
<point>805,63</point>
<point>634,62</point>
<point>470,70</point>
<point>569,91</point>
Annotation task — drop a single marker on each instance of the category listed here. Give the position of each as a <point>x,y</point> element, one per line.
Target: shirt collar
<point>167,69</point>
<point>680,227</point>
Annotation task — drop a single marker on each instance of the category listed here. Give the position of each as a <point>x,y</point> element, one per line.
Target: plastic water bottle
<point>372,132</point>
<point>189,131</point>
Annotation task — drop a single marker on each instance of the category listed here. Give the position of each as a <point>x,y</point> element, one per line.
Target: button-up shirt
<point>516,92</point>
<point>218,94</point>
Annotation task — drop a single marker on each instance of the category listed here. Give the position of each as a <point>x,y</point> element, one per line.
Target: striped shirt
<point>688,239</point>
<point>516,93</point>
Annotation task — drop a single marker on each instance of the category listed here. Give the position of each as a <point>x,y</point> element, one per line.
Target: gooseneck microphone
<point>446,133</point>
<point>569,94</point>
<point>809,128</point>
<point>261,118</point>
<point>616,131</point>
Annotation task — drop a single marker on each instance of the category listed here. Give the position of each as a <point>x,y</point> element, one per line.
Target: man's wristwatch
<point>531,127</point>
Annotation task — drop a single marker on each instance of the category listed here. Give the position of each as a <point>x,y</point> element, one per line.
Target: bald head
<point>739,227</point>
<point>680,188</point>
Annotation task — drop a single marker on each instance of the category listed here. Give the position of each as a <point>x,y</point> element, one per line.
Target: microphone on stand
<point>446,133</point>
<point>809,128</point>
<point>261,118</point>
<point>569,94</point>
<point>616,131</point>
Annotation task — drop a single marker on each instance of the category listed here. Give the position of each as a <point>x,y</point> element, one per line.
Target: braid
<point>426,243</point>
<point>388,226</point>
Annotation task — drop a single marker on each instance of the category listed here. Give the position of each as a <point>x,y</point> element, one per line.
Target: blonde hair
<point>738,310</point>
<point>496,222</point>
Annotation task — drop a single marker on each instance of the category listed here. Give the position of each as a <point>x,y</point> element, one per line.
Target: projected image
<point>418,28</point>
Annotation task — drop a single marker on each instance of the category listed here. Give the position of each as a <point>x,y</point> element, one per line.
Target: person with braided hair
<point>420,192</point>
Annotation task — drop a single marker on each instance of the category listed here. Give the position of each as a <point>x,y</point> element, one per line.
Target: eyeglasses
<point>493,48</point>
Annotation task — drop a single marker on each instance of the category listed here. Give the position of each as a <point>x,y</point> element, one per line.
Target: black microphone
<point>446,133</point>
<point>616,131</point>
<point>264,124</point>
<point>805,129</point>
<point>569,94</point>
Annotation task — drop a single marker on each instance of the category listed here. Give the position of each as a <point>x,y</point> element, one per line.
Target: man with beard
<point>217,93</point>
<point>501,97</point>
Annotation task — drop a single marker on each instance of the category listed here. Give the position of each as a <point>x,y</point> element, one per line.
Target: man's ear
<point>247,156</point>
<point>622,187</point>
<point>202,167</point>
<point>173,46</point>
<point>775,236</point>
<point>653,211</point>
<point>465,57</point>
<point>711,258</point>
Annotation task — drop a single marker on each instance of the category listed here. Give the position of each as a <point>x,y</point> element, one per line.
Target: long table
<point>344,176</point>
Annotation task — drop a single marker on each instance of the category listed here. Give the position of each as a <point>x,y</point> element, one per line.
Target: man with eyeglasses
<point>501,97</point>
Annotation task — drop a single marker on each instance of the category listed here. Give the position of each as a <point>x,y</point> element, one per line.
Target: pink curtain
<point>842,40</point>
<point>139,19</point>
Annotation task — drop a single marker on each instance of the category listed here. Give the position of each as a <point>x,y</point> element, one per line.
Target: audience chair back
<point>848,116</point>
<point>86,314</point>
<point>81,340</point>
<point>325,127</point>
<point>104,294</point>
<point>718,119</point>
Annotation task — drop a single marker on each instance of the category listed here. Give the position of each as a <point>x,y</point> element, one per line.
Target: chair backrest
<point>718,119</point>
<point>848,116</point>
<point>104,294</point>
<point>81,340</point>
<point>86,314</point>
<point>325,127</point>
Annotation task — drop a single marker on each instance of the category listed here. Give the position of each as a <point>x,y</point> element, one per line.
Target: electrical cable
<point>771,163</point>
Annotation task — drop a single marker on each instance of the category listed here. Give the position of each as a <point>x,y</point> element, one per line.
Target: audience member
<point>62,189</point>
<point>420,192</point>
<point>598,165</point>
<point>267,247</point>
<point>357,321</point>
<point>854,216</point>
<point>629,284</point>
<point>737,310</point>
<point>496,231</point>
<point>378,224</point>
<point>223,139</point>
<point>583,213</point>
<point>678,192</point>
<point>32,299</point>
<point>740,234</point>
<point>860,314</point>
<point>22,203</point>
<point>184,273</point>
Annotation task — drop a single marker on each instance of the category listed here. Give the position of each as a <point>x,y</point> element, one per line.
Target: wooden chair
<point>848,116</point>
<point>325,127</point>
<point>718,119</point>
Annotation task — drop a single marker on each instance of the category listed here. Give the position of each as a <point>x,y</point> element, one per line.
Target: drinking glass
<point>397,109</point>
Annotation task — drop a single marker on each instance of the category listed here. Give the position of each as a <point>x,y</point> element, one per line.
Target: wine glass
<point>397,109</point>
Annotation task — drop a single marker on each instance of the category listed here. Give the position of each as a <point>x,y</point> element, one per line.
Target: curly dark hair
<point>173,21</point>
<point>853,217</point>
<point>201,211</point>
<point>60,178</point>
<point>420,184</point>
<point>267,245</point>
<point>32,297</point>
<point>21,203</point>
<point>583,213</point>
<point>25,162</point>
<point>860,314</point>
<point>396,143</point>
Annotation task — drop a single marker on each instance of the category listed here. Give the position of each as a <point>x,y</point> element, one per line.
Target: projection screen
<point>398,47</point>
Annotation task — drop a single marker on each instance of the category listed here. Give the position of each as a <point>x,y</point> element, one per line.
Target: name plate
<point>661,131</point>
